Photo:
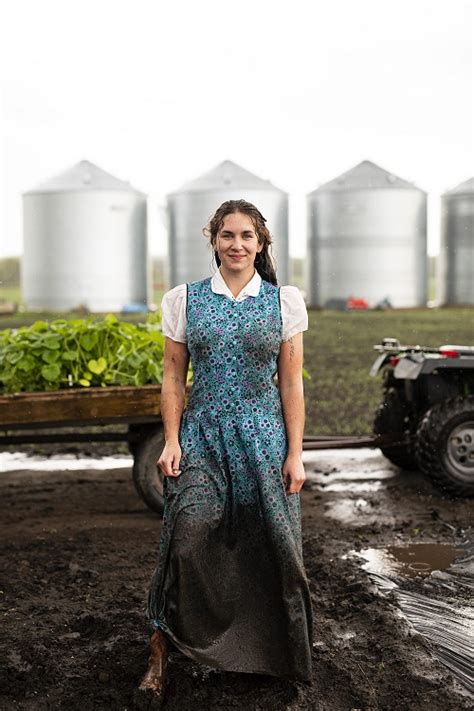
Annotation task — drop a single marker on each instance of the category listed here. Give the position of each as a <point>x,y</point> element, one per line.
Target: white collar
<point>252,288</point>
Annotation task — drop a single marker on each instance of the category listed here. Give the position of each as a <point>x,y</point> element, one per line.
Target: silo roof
<point>365,175</point>
<point>224,176</point>
<point>466,188</point>
<point>84,176</point>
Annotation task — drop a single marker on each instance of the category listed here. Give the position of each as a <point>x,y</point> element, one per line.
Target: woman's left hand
<point>293,473</point>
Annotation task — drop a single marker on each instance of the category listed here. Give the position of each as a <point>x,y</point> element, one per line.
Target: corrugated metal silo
<point>457,245</point>
<point>190,208</point>
<point>85,242</point>
<point>367,239</point>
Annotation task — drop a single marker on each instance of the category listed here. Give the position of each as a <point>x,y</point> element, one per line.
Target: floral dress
<point>230,588</point>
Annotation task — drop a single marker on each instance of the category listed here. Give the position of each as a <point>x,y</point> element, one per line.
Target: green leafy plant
<point>81,353</point>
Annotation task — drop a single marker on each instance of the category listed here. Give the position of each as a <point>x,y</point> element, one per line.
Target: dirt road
<point>79,549</point>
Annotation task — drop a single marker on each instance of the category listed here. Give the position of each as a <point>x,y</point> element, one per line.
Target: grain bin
<point>457,245</point>
<point>84,242</point>
<point>367,239</point>
<point>190,208</point>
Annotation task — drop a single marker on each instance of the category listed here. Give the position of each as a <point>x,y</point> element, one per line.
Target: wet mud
<point>389,560</point>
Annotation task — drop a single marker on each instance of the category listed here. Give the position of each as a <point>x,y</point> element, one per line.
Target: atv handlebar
<point>392,345</point>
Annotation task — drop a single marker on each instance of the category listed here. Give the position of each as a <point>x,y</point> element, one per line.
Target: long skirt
<point>230,588</point>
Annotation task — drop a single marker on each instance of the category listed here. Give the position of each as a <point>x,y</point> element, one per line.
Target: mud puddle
<point>414,560</point>
<point>21,461</point>
<point>350,470</point>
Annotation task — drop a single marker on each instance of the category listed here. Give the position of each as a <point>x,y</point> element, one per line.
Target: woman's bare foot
<point>155,676</point>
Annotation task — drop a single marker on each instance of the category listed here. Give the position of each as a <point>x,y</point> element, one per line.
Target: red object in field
<point>354,303</point>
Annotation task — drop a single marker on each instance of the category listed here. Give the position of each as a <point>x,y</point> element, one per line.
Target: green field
<point>25,318</point>
<point>341,397</point>
<point>10,293</point>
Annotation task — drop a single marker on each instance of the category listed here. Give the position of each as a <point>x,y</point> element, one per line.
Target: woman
<point>230,589</point>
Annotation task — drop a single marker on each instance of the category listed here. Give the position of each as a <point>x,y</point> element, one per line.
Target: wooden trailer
<point>27,417</point>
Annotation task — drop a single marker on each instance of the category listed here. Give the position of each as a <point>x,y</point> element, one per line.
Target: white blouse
<point>173,306</point>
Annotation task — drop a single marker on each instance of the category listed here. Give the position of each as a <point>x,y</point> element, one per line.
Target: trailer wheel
<point>444,445</point>
<point>136,434</point>
<point>147,477</point>
<point>392,417</point>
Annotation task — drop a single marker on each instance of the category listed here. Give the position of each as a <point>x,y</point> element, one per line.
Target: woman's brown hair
<point>264,262</point>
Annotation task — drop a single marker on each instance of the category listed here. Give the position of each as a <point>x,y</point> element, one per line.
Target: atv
<point>426,419</point>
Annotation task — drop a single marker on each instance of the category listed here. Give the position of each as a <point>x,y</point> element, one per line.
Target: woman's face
<point>237,242</point>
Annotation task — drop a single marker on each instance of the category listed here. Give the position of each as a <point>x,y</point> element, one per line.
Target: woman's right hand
<point>169,459</point>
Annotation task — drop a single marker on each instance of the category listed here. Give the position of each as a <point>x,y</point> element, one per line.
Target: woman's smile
<point>237,232</point>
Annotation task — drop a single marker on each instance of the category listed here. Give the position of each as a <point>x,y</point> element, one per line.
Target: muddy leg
<point>155,676</point>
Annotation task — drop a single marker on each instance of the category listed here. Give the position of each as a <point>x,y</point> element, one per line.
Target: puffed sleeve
<point>293,311</point>
<point>173,313</point>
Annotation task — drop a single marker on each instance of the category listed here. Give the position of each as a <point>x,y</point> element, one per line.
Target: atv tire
<point>392,418</point>
<point>444,445</point>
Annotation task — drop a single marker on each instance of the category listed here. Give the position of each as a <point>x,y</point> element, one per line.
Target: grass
<point>25,318</point>
<point>10,293</point>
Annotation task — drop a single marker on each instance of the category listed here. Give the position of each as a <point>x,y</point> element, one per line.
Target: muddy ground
<point>79,549</point>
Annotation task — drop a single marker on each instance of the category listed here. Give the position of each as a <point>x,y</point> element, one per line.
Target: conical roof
<point>466,188</point>
<point>84,176</point>
<point>224,176</point>
<point>365,175</point>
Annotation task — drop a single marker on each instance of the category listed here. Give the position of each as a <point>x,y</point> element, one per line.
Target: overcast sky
<point>299,91</point>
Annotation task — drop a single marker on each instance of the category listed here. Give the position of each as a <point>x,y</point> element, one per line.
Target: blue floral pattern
<point>230,588</point>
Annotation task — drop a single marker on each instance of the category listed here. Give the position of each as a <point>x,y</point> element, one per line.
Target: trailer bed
<point>91,406</point>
